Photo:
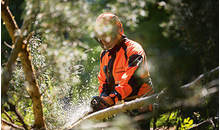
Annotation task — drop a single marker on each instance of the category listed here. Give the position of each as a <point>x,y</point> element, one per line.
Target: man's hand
<point>99,103</point>
<point>108,100</point>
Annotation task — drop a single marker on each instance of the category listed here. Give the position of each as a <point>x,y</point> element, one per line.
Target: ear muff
<point>121,31</point>
<point>119,24</point>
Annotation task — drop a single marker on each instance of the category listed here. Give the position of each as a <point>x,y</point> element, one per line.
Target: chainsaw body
<point>97,103</point>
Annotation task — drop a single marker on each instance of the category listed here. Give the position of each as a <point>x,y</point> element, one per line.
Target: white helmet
<point>108,30</point>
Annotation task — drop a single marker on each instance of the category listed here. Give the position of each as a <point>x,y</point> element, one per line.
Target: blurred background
<point>180,37</point>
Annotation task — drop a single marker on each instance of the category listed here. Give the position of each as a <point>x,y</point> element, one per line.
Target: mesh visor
<point>107,28</point>
<point>99,41</point>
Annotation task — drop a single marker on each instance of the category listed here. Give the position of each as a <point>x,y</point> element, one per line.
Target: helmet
<point>108,30</point>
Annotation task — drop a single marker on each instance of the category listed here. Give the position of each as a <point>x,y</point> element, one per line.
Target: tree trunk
<point>21,50</point>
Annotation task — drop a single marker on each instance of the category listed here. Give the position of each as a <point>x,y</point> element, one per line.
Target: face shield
<point>106,36</point>
<point>107,30</point>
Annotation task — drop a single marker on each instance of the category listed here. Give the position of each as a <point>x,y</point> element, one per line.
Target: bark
<point>9,19</point>
<point>157,100</point>
<point>11,26</point>
<point>32,87</point>
<point>20,49</point>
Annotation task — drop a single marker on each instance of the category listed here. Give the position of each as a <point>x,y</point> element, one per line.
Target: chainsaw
<point>97,103</point>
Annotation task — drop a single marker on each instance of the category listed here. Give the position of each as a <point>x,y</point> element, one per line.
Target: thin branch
<point>21,94</point>
<point>8,45</point>
<point>12,125</point>
<point>7,115</point>
<point>28,37</point>
<point>202,125</point>
<point>13,108</point>
<point>199,78</point>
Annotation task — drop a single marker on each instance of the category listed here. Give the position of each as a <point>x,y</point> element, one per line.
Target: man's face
<point>108,40</point>
<point>106,34</point>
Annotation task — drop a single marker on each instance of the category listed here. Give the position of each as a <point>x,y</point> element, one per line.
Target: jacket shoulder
<point>134,47</point>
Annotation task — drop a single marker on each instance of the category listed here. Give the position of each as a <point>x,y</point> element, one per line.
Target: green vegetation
<point>181,39</point>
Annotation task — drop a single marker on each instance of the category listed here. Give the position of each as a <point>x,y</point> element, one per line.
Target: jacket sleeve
<point>136,57</point>
<point>104,89</point>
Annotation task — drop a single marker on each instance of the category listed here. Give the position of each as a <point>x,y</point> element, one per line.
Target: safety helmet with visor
<point>108,30</point>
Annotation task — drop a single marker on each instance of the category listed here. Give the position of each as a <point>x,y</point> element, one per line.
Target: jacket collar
<point>117,47</point>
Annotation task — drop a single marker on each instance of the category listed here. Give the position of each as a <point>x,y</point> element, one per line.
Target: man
<point>123,72</point>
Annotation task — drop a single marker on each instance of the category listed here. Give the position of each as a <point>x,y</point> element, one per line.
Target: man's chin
<point>108,47</point>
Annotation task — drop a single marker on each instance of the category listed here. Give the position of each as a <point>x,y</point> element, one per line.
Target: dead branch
<point>9,46</point>
<point>12,125</point>
<point>199,78</point>
<point>145,101</point>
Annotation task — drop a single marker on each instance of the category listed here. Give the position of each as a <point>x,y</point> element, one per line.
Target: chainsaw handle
<point>98,103</point>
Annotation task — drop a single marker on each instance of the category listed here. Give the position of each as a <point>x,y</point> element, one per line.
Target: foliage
<point>18,93</point>
<point>180,38</point>
<point>174,119</point>
<point>195,24</point>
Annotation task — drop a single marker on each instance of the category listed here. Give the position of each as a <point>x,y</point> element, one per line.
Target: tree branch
<point>9,20</point>
<point>33,87</point>
<point>8,45</point>
<point>202,125</point>
<point>145,101</point>
<point>21,47</point>
<point>11,26</point>
<point>7,115</point>
<point>13,108</point>
<point>12,125</point>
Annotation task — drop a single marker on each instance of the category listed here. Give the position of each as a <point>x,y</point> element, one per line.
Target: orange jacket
<point>124,72</point>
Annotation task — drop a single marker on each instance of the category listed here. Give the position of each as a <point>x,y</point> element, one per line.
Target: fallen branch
<point>145,101</point>
<point>200,77</point>
<point>109,112</point>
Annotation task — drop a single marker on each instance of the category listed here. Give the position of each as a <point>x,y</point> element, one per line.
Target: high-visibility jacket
<point>124,72</point>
